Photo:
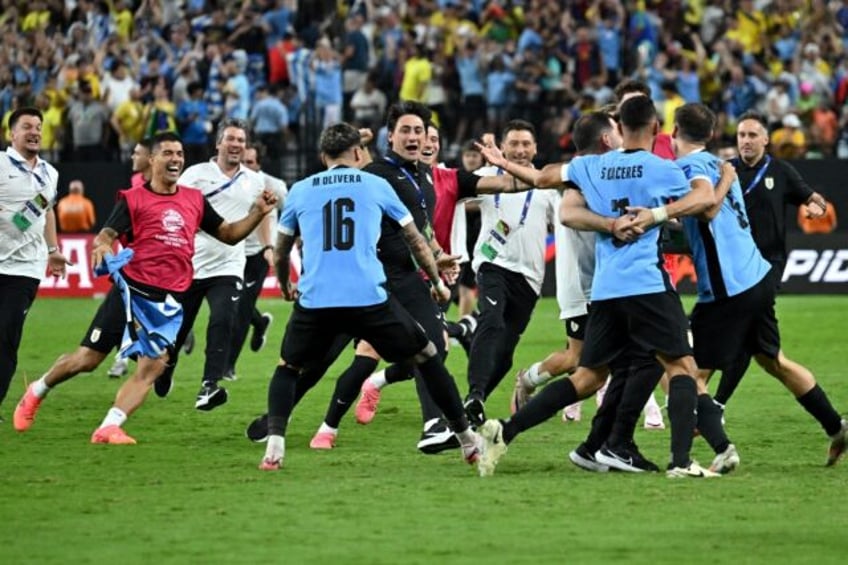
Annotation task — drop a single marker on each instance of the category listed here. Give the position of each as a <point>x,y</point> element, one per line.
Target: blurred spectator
<point>88,119</point>
<point>75,212</point>
<point>472,114</point>
<point>52,127</point>
<point>128,121</point>
<point>160,114</point>
<point>194,125</point>
<point>778,103</point>
<point>269,120</point>
<point>355,52</point>
<point>824,128</point>
<point>789,141</point>
<point>500,82</point>
<point>369,105</point>
<point>327,77</point>
<point>237,88</point>
<point>417,72</point>
<point>117,85</point>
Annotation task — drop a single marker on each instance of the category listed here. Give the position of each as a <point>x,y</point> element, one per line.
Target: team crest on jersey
<point>769,183</point>
<point>95,335</point>
<point>172,221</point>
<point>575,326</point>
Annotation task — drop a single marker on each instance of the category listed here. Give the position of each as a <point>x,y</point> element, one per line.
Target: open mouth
<point>173,169</point>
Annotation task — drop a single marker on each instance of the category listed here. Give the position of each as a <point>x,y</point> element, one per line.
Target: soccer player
<point>633,301</point>
<point>230,188</point>
<point>28,244</point>
<point>735,308</point>
<point>339,215</point>
<point>769,186</point>
<point>163,218</point>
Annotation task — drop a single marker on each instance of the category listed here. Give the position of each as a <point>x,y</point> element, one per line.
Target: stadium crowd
<point>109,73</point>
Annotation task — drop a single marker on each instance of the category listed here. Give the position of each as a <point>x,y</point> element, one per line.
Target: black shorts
<point>575,327</point>
<point>467,276</point>
<point>389,329</point>
<point>745,323</point>
<point>413,294</point>
<point>107,328</point>
<point>654,323</point>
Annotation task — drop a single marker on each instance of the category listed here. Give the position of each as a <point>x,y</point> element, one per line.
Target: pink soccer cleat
<point>112,435</point>
<point>270,464</point>
<point>323,440</point>
<point>25,410</point>
<point>573,412</point>
<point>366,408</point>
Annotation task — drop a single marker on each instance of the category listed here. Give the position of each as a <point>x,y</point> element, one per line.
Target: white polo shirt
<point>24,253</point>
<point>524,251</point>
<point>232,199</point>
<point>575,267</point>
<point>252,243</point>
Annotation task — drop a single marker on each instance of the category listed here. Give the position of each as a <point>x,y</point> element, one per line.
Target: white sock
<point>378,379</point>
<point>535,377</point>
<point>275,448</point>
<point>40,388</point>
<point>652,403</point>
<point>325,429</point>
<point>114,417</point>
<point>467,438</point>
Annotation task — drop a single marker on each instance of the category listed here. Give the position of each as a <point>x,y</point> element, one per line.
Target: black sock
<point>682,406</point>
<point>397,372</point>
<point>604,418</point>
<point>551,399</point>
<point>709,423</point>
<point>442,389</point>
<point>641,381</point>
<point>347,388</point>
<point>731,377</point>
<point>281,399</point>
<point>817,403</point>
<point>454,329</point>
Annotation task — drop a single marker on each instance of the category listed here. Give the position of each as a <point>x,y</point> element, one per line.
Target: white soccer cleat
<point>693,471</point>
<point>494,447</point>
<point>726,461</point>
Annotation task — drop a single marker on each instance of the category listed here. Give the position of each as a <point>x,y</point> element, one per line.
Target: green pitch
<point>190,492</point>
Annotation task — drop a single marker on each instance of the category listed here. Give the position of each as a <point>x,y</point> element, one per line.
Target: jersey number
<point>338,226</point>
<point>619,205</point>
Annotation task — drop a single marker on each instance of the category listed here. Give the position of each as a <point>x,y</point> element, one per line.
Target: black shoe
<point>585,459</point>
<point>210,396</point>
<point>474,411</point>
<point>260,332</point>
<point>257,430</point>
<point>625,458</point>
<point>188,345</point>
<point>436,438</point>
<point>163,385</point>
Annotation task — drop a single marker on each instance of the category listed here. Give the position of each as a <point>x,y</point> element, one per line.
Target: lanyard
<point>411,179</point>
<point>226,185</point>
<point>23,168</point>
<point>524,210</point>
<point>759,175</point>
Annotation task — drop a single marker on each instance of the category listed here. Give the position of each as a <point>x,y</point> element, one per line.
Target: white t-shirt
<point>575,267</point>
<point>24,253</point>
<point>524,251</point>
<point>252,243</point>
<point>232,199</point>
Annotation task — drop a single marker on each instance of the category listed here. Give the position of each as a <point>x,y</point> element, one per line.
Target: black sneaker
<point>436,438</point>
<point>585,459</point>
<point>474,411</point>
<point>163,385</point>
<point>260,332</point>
<point>257,430</point>
<point>188,344</point>
<point>625,458</point>
<point>210,396</point>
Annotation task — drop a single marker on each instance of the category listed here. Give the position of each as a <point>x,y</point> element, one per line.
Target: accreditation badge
<point>769,182</point>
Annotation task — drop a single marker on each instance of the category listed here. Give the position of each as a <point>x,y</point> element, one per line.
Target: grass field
<point>190,492</point>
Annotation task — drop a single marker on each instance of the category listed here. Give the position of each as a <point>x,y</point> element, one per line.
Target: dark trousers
<point>255,271</point>
<point>223,295</point>
<point>506,301</point>
<point>16,296</point>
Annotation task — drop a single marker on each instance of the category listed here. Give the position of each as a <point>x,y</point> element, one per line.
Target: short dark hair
<point>163,137</point>
<point>695,122</point>
<point>589,129</point>
<point>518,125</point>
<point>637,113</point>
<point>338,138</point>
<point>407,107</point>
<point>232,123</point>
<point>25,111</point>
<point>629,86</point>
<point>754,115</point>
<point>146,142</point>
<point>260,149</point>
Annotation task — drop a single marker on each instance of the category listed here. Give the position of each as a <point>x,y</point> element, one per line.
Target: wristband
<point>51,249</point>
<point>660,214</point>
<point>266,248</point>
<point>438,284</point>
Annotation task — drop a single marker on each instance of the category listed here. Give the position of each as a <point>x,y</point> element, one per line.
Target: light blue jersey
<point>338,213</point>
<point>727,261</point>
<point>610,183</point>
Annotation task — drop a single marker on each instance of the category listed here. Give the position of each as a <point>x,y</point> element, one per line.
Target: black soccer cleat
<point>436,438</point>
<point>625,458</point>
<point>260,332</point>
<point>474,411</point>
<point>210,396</point>
<point>257,430</point>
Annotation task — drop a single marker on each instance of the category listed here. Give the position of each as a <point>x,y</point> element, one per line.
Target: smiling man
<point>160,219</point>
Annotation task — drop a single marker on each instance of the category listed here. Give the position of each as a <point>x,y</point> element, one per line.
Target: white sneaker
<point>693,471</point>
<point>119,368</point>
<point>494,447</point>
<point>573,412</point>
<point>653,415</point>
<point>726,461</point>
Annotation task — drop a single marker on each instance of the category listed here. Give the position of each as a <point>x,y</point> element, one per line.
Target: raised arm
<point>234,232</point>
<point>728,175</point>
